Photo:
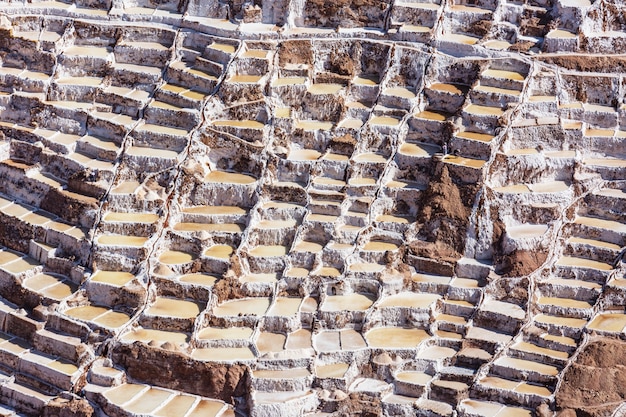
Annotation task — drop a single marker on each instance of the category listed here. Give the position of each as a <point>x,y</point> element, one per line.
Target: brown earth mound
<point>444,220</point>
<point>520,263</point>
<point>596,383</point>
<point>176,371</point>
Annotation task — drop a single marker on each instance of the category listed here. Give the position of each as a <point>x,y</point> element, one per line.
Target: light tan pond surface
<point>171,307</point>
<point>384,121</point>
<point>285,306</point>
<point>370,80</point>
<point>481,137</point>
<point>431,115</point>
<point>395,337</point>
<point>215,210</point>
<point>269,251</point>
<point>288,81</point>
<point>349,302</point>
<point>121,240</point>
<point>174,257</point>
<point>177,406</point>
<point>209,227</point>
<point>401,92</point>
<point>584,263</point>
<point>99,315</point>
<point>414,377</point>
<point>409,300</point>
<point>245,79</point>
<point>224,47</point>
<point>131,217</point>
<point>221,177</point>
<point>448,88</point>
<point>230,333</point>
<point>219,251</point>
<point>507,75</point>
<point>608,322</point>
<point>560,321</point>
<point>377,246</point>
<point>563,302</point>
<point>484,110</point>
<point>313,125</point>
<point>325,88</point>
<point>333,370</point>
<point>148,335</point>
<point>527,365</point>
<point>115,278</point>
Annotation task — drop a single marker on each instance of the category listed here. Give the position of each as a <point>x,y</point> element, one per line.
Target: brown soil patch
<point>596,383</point>
<point>444,220</point>
<point>520,263</point>
<point>605,64</point>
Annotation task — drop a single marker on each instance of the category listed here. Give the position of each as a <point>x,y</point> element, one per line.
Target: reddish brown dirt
<point>480,28</point>
<point>596,383</point>
<point>177,371</point>
<point>594,63</point>
<point>228,288</point>
<point>295,52</point>
<point>75,407</point>
<point>519,263</point>
<point>444,220</point>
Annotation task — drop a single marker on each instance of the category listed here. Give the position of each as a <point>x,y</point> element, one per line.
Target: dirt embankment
<point>443,219</point>
<point>177,371</point>
<point>345,13</point>
<point>595,384</point>
<point>604,64</point>
<point>519,263</point>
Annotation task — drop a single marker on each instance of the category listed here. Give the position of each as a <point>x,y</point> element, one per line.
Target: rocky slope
<point>302,208</point>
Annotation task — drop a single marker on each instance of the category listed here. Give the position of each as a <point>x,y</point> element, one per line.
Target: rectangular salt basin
<point>147,401</point>
<point>285,306</point>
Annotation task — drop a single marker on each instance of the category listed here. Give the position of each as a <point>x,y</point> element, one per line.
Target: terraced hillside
<point>312,208</point>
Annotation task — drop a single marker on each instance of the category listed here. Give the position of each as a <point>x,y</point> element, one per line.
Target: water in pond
<point>148,401</point>
<point>173,257</point>
<point>170,307</point>
<point>395,337</point>
<point>333,370</point>
<point>219,251</point>
<point>221,177</point>
<point>214,333</point>
<point>123,393</point>
<point>269,251</point>
<point>414,377</point>
<point>249,124</point>
<point>116,278</point>
<point>325,88</point>
<point>375,246</point>
<point>350,302</point>
<point>177,406</point>
<point>608,322</point>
